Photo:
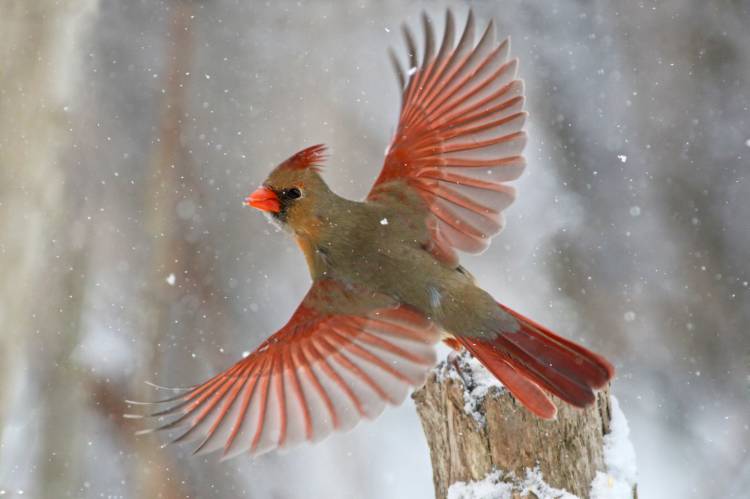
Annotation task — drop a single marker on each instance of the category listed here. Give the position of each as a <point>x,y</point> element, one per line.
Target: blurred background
<point>131,131</point>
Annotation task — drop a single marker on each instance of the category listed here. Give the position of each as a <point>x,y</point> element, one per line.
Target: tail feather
<point>533,358</point>
<point>596,368</point>
<point>545,373</point>
<point>526,391</point>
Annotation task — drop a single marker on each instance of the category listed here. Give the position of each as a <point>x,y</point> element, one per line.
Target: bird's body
<point>381,246</point>
<point>386,279</point>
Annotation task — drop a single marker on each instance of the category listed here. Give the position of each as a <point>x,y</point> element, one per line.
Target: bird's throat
<point>314,258</point>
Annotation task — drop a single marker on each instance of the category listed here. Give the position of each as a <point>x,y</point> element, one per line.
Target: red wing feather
<point>459,136</point>
<point>321,372</point>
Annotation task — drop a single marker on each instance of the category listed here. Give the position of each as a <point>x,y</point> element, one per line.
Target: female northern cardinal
<point>386,280</point>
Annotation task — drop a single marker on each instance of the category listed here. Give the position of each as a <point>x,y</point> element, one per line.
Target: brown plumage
<point>386,283</point>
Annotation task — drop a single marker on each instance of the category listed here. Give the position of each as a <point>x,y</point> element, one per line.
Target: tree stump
<point>475,427</point>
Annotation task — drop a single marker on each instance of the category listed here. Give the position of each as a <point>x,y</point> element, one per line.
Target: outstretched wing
<point>459,136</point>
<point>339,359</point>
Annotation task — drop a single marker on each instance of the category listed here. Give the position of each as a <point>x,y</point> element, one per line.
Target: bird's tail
<point>533,359</point>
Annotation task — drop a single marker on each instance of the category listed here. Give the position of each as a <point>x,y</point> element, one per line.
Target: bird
<point>387,284</point>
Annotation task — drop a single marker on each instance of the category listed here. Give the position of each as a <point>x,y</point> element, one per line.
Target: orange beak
<point>264,199</point>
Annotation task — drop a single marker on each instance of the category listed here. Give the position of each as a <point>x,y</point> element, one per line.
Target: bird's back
<point>382,246</point>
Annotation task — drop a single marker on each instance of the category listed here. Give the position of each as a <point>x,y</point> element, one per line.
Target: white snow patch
<point>619,458</point>
<point>495,486</point>
<point>384,221</point>
<point>477,380</point>
<point>489,488</point>
<point>747,142</point>
<point>622,157</point>
<point>171,279</point>
<point>535,484</point>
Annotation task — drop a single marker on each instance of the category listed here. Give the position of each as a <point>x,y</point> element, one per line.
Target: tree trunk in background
<point>174,257</point>
<point>42,251</point>
<point>496,433</point>
<point>168,245</point>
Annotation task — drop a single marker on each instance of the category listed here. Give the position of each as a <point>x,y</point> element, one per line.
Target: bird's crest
<point>311,157</point>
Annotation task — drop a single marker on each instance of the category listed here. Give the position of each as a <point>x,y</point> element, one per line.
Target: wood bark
<point>470,437</point>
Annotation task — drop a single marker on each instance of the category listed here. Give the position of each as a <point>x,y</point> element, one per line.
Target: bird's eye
<point>293,193</point>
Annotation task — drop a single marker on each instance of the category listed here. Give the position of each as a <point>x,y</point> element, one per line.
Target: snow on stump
<point>485,445</point>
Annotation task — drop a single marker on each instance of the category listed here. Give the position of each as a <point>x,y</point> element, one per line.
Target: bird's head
<point>293,191</point>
